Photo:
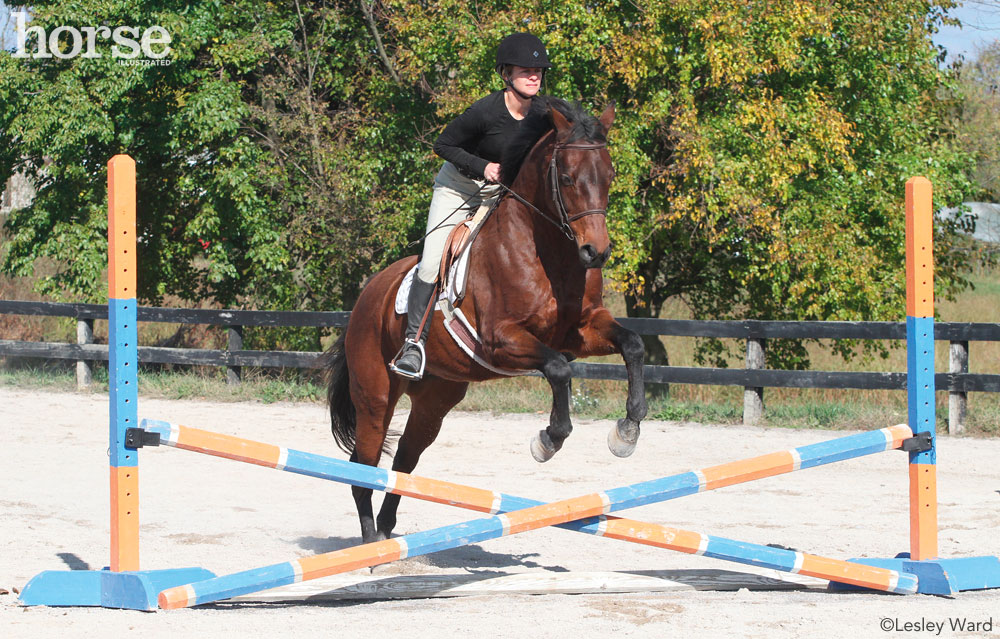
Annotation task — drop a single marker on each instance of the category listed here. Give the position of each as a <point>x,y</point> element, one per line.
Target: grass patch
<point>592,399</point>
<point>43,378</point>
<point>179,385</point>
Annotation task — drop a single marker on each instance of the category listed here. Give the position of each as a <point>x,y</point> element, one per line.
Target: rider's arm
<point>464,131</point>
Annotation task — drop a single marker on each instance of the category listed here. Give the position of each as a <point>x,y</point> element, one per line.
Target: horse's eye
<point>566,180</point>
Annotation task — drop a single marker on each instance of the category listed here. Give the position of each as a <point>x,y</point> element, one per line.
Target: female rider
<point>472,146</point>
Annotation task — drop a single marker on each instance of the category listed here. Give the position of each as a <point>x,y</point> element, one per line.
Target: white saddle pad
<point>454,320</point>
<point>456,283</point>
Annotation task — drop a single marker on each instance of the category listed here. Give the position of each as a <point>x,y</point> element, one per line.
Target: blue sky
<point>980,25</point>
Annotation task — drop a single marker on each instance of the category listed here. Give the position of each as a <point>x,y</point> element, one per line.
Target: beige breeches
<point>451,190</point>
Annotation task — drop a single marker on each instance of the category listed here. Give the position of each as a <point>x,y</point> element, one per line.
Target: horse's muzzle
<point>590,258</point>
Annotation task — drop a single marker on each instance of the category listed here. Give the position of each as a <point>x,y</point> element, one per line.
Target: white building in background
<point>987,216</point>
<point>17,193</point>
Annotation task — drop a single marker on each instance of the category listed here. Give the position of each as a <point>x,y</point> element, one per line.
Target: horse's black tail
<point>343,418</point>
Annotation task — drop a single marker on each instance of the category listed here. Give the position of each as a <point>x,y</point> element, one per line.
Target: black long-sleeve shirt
<point>477,137</point>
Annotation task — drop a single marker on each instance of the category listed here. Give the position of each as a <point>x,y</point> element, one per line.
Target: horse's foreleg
<point>522,350</point>
<point>602,335</point>
<point>560,377</point>
<point>623,437</point>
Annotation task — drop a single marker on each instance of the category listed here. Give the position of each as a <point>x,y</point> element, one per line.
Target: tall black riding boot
<point>410,361</point>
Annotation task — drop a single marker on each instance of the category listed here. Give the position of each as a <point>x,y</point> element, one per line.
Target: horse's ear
<point>608,116</point>
<point>560,122</point>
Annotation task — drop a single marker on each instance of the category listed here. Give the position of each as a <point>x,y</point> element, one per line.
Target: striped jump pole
<point>122,362</point>
<point>450,493</point>
<point>920,366</point>
<point>524,514</point>
<point>493,502</point>
<point>937,576</point>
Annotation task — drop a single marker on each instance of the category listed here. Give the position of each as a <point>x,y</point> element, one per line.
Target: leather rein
<point>565,218</point>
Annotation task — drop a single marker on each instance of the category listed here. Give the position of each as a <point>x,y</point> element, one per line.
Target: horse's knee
<point>631,346</point>
<point>557,370</point>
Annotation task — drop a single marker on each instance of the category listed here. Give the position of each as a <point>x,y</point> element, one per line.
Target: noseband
<point>563,224</point>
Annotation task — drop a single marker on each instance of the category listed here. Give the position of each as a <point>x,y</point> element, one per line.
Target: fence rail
<point>754,378</point>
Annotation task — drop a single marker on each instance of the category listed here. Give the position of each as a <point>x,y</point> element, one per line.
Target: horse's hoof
<point>542,448</point>
<point>619,447</point>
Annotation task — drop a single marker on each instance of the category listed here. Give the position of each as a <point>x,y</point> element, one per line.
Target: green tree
<point>761,147</point>
<point>275,153</point>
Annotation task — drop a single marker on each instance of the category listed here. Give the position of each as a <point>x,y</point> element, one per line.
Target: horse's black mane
<point>538,122</point>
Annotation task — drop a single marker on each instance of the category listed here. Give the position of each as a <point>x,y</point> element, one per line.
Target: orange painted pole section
<point>919,248</point>
<point>121,228</point>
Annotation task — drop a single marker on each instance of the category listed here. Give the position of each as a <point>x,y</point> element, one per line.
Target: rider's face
<point>527,80</point>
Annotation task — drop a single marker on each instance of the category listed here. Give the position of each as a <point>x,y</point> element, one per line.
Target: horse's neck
<point>534,242</point>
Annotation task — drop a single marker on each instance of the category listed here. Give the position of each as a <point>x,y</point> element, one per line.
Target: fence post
<point>958,362</point>
<point>233,373</point>
<point>753,396</point>
<point>84,335</point>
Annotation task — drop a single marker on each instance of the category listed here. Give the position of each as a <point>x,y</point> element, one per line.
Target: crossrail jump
<point>586,514</point>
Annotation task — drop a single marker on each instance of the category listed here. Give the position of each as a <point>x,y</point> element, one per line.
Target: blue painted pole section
<point>122,382</point>
<point>841,449</point>
<point>338,470</point>
<point>920,382</point>
<point>756,555</point>
<point>235,585</point>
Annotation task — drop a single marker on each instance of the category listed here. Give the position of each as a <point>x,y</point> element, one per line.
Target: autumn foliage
<point>285,153</point>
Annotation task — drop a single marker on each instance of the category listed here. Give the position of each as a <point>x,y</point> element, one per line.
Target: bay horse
<point>534,295</point>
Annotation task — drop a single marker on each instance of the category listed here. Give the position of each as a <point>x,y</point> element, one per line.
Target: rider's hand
<point>492,172</point>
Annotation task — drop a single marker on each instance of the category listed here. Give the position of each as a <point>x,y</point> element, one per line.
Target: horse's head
<point>578,179</point>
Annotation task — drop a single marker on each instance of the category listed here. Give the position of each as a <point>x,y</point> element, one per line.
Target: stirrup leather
<point>405,373</point>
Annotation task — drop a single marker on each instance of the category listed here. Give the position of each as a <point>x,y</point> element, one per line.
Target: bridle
<point>565,218</point>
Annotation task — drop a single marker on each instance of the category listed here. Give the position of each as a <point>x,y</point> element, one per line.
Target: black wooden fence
<point>754,378</point>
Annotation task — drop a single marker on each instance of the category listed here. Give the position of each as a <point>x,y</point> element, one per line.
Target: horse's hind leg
<point>374,399</point>
<point>430,401</point>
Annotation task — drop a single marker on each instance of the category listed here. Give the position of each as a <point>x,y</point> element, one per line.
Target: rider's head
<point>521,62</point>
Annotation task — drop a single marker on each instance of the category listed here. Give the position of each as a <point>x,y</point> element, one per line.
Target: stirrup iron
<point>423,361</point>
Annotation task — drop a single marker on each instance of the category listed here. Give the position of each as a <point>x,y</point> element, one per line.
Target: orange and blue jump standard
<point>936,576</point>
<point>122,584</point>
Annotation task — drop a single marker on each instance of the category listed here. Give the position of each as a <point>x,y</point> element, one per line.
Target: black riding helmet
<point>522,50</point>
